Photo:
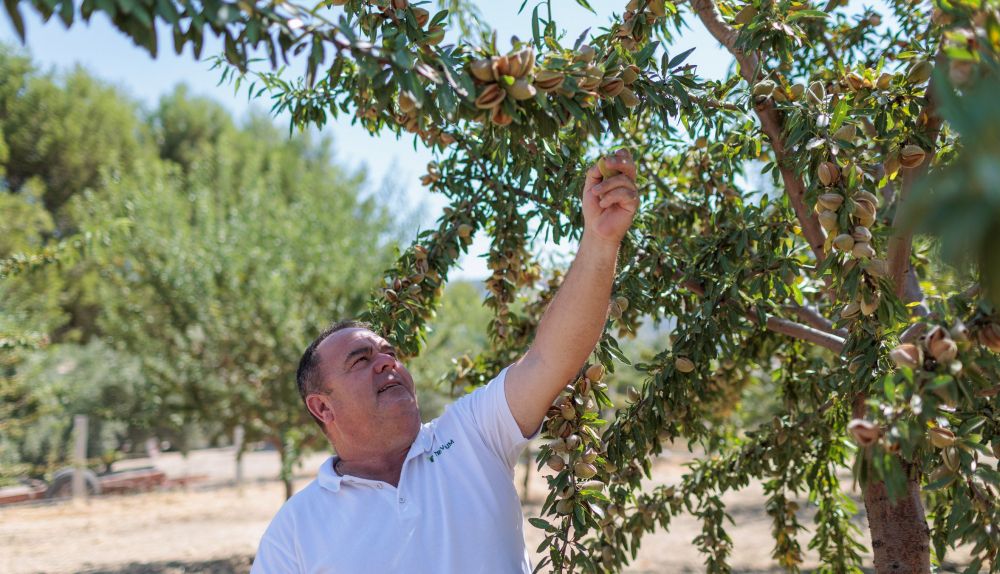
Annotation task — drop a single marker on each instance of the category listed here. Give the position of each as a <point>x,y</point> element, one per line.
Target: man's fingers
<point>627,198</point>
<point>593,175</point>
<point>606,186</point>
<point>622,161</point>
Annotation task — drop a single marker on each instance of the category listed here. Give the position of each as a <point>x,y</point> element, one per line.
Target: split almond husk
<point>852,309</point>
<point>491,97</point>
<point>867,195</point>
<point>831,201</point>
<point>500,118</point>
<point>870,305</point>
<point>521,89</point>
<point>816,93</point>
<point>907,355</point>
<point>911,156</point>
<point>944,350</point>
<point>828,173</point>
<point>941,437</point>
<point>549,80</point>
<point>630,74</point>
<point>878,268</point>
<point>863,249</point>
<point>861,233</point>
<point>843,242</point>
<point>865,433</point>
<point>421,16</point>
<point>951,458</point>
<point>584,470</point>
<point>482,70</point>
<point>989,337</point>
<point>919,72</point>
<point>612,87</point>
<point>555,462</point>
<point>684,364</point>
<point>828,219</point>
<point>595,372</point>
<point>628,98</point>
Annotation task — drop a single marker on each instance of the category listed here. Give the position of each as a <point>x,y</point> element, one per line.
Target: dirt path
<point>215,528</point>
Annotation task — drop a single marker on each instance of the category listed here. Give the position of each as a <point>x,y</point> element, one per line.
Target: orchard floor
<point>213,527</point>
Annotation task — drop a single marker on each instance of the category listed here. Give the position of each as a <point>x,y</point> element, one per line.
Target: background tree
<point>229,270</point>
<point>189,255</point>
<point>879,353</point>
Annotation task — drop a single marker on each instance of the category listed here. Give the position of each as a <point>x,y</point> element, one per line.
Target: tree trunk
<point>527,473</point>
<point>899,532</point>
<point>286,468</point>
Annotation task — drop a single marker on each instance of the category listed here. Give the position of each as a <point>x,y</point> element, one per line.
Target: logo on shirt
<point>443,448</point>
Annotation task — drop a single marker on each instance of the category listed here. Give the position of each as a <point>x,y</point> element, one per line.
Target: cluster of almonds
<point>629,33</point>
<point>513,75</point>
<point>386,10</point>
<point>409,118</point>
<point>411,287</point>
<point>576,447</point>
<point>937,347</point>
<point>863,207</point>
<point>816,93</point>
<point>945,441</point>
<point>501,76</point>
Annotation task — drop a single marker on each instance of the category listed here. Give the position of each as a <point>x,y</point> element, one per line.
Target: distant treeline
<point>203,255</point>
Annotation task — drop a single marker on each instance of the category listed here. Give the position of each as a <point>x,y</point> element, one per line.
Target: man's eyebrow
<point>358,351</point>
<point>366,350</point>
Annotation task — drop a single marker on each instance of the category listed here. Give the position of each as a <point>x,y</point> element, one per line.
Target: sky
<point>111,56</point>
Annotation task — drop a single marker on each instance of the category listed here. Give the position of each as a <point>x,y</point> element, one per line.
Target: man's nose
<point>384,360</point>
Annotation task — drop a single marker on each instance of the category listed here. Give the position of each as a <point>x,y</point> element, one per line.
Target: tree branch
<point>770,124</point>
<point>782,326</point>
<point>816,319</point>
<point>805,333</point>
<point>901,241</point>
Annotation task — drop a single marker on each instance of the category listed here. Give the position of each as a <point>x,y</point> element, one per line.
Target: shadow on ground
<point>241,565</point>
<point>235,565</point>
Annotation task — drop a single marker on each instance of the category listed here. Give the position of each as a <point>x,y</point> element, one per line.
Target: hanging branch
<point>771,124</point>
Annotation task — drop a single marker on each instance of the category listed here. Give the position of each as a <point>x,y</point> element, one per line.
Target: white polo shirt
<point>455,510</point>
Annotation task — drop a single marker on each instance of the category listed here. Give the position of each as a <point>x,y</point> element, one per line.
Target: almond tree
<point>860,283</point>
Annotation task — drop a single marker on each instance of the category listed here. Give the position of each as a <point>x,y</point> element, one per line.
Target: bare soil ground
<point>213,527</point>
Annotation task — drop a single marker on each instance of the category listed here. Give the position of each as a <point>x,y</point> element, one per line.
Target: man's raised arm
<point>572,324</point>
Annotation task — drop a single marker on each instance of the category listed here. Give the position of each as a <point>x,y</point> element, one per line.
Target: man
<point>404,497</point>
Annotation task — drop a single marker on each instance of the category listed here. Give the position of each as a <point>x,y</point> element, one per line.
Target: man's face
<point>369,394</point>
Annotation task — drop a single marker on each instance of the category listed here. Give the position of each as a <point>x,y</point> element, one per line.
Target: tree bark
<point>900,536</point>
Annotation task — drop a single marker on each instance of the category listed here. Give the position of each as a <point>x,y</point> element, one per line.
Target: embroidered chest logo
<point>444,447</point>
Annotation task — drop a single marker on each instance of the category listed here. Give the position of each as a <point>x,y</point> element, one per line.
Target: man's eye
<point>359,360</point>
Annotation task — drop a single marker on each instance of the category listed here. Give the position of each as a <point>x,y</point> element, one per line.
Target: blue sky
<point>111,56</point>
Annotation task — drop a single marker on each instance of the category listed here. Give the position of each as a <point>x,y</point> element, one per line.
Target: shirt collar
<point>330,480</point>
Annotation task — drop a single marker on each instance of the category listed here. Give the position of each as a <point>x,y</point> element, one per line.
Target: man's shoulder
<point>302,501</point>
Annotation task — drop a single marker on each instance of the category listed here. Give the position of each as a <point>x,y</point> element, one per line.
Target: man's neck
<point>386,467</point>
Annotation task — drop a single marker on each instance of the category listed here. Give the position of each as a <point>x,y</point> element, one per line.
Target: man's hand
<point>610,204</point>
<point>571,326</point>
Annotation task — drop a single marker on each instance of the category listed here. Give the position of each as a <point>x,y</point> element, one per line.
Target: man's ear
<point>319,406</point>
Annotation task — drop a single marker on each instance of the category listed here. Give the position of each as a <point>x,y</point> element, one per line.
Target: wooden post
<point>79,457</point>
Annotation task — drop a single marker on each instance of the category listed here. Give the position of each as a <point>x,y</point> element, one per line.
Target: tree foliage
<point>869,129</point>
<point>208,264</point>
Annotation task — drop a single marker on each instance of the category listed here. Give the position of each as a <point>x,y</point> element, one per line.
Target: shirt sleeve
<point>275,555</point>
<point>489,412</point>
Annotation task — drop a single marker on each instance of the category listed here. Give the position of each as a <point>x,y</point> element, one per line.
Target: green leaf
<point>800,14</point>
<point>676,60</point>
